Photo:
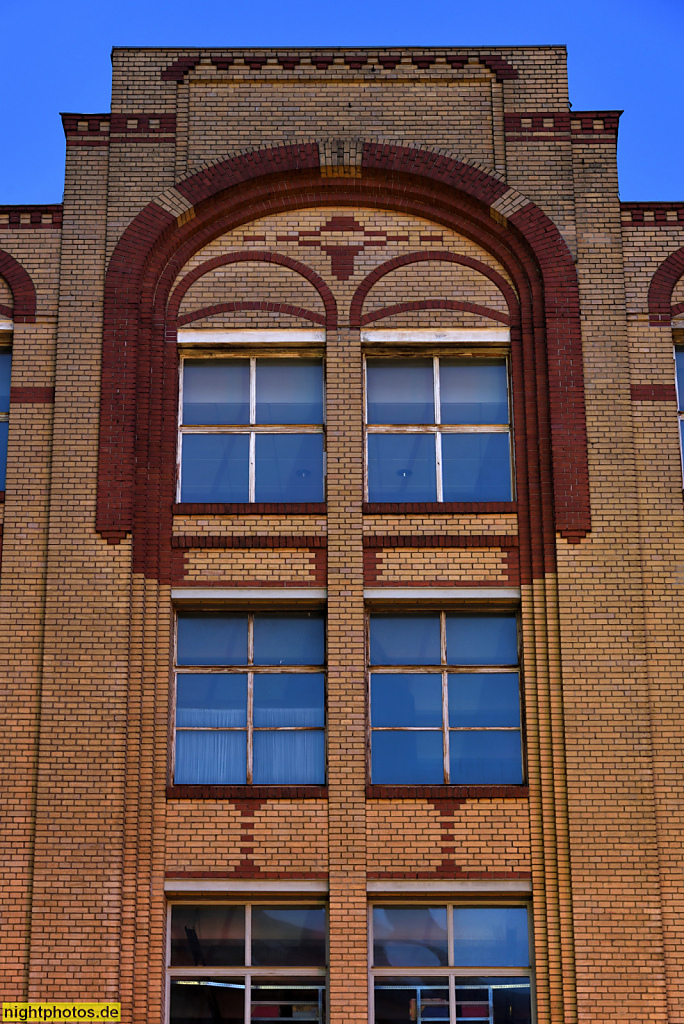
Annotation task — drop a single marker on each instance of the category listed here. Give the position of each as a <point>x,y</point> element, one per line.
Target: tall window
<point>438,430</point>
<point>451,964</point>
<point>243,963</point>
<point>444,699</point>
<point>252,430</point>
<point>679,365</point>
<point>5,376</point>
<point>250,699</point>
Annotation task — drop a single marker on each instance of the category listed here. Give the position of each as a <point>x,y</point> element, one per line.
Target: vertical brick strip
<point>346,686</point>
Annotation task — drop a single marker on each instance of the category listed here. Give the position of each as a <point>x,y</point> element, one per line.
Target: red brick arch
<point>23,290</point>
<point>463,307</point>
<point>662,285</point>
<point>139,375</point>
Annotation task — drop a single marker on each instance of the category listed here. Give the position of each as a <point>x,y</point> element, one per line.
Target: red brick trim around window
<point>465,307</point>
<point>23,290</point>
<point>6,311</point>
<point>662,285</point>
<point>31,396</point>
<point>653,393</point>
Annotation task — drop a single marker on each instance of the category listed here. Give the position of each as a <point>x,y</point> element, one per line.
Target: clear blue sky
<point>623,55</point>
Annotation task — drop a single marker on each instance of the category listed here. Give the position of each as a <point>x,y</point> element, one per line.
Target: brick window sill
<point>447,792</point>
<point>246,792</point>
<point>256,508</point>
<point>473,508</point>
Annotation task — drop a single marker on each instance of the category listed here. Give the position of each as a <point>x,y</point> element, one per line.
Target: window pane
<point>679,363</point>
<point>400,391</point>
<point>473,392</point>
<point>476,467</point>
<point>291,998</point>
<point>404,640</point>
<point>289,467</point>
<point>401,1000</point>
<point>405,699</point>
<point>215,467</point>
<point>288,936</point>
<point>289,639</point>
<point>491,936</point>
<point>289,758</point>
<point>211,700</point>
<point>410,936</point>
<point>216,391</point>
<point>210,758</point>
<point>289,699</point>
<point>510,1000</point>
<point>207,936</point>
<point>485,757</point>
<point>402,467</point>
<point>484,699</point>
<point>407,758</point>
<point>482,640</point>
<point>5,375</point>
<point>289,391</point>
<point>196,1000</point>
<point>4,432</point>
<point>212,639</point>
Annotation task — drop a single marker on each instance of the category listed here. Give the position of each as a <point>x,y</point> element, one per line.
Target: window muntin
<point>250,699</point>
<point>451,963</point>
<point>438,430</point>
<point>5,378</point>
<point>251,430</point>
<point>679,370</point>
<point>444,699</point>
<point>239,963</point>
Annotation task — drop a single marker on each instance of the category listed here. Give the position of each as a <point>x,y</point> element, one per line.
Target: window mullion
<point>248,935</point>
<point>445,725</point>
<point>250,700</point>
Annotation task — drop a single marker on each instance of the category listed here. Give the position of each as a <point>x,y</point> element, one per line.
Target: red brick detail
<point>32,216</point>
<point>322,62</point>
<point>356,319</point>
<point>94,130</point>
<point>662,286</point>
<point>23,290</point>
<point>474,508</point>
<point>289,61</point>
<point>257,256</point>
<point>186,542</point>
<point>6,311</point>
<point>356,60</point>
<point>389,63</point>
<point>453,795</point>
<point>448,869</point>
<point>423,60</point>
<point>272,307</point>
<point>257,508</point>
<point>653,393</point>
<point>564,123</point>
<point>177,71</point>
<point>143,124</point>
<point>251,793</point>
<point>35,396</point>
<point>678,309</point>
<point>466,307</point>
<point>498,65</point>
<point>441,540</point>
<point>634,213</point>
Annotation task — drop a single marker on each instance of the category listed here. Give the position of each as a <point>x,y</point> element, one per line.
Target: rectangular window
<point>451,963</point>
<point>239,963</point>
<point>679,366</point>
<point>438,429</point>
<point>250,699</point>
<point>251,430</point>
<point>444,699</point>
<point>5,377</point>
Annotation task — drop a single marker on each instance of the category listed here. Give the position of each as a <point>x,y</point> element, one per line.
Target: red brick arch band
<point>140,367</point>
<point>660,291</point>
<point>266,307</point>
<point>6,311</point>
<point>23,290</point>
<point>404,307</point>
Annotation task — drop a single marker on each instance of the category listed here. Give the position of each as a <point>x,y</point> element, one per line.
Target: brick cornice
<point>31,216</point>
<point>22,287</point>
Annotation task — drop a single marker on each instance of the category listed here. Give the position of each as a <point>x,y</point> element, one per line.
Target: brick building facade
<point>265,747</point>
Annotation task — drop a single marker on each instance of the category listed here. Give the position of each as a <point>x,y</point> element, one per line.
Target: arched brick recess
<point>23,290</point>
<point>662,285</point>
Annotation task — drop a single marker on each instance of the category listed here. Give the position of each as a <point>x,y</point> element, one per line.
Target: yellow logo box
<point>61,1011</point>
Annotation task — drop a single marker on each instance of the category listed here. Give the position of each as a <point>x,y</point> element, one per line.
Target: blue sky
<point>623,54</point>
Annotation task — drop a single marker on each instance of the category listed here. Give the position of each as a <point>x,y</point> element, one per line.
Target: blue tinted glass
<point>410,937</point>
<point>288,937</point>
<point>484,700</point>
<point>402,467</point>
<point>485,757</point>
<point>5,375</point>
<point>679,363</point>
<point>207,999</point>
<point>482,640</point>
<point>216,391</point>
<point>404,699</point>
<point>491,937</point>
<point>289,758</point>
<point>289,699</point>
<point>289,467</point>
<point>476,467</point>
<point>212,639</point>
<point>289,639</point>
<point>473,392</point>
<point>289,391</point>
<point>4,432</point>
<point>399,1000</point>
<point>211,700</point>
<point>210,758</point>
<point>215,467</point>
<point>400,391</point>
<point>407,758</point>
<point>404,640</point>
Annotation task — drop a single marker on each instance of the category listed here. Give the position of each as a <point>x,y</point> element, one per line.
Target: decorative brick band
<point>451,870</point>
<point>258,256</point>
<point>662,285</point>
<point>678,309</point>
<point>473,508</point>
<point>239,793</point>
<point>521,125</point>
<point>452,793</point>
<point>268,307</point>
<point>31,396</point>
<point>186,542</point>
<point>31,216</point>
<point>465,307</point>
<point>649,214</point>
<point>143,124</point>
<point>257,508</point>
<point>653,393</point>
<point>86,129</point>
<point>23,290</point>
